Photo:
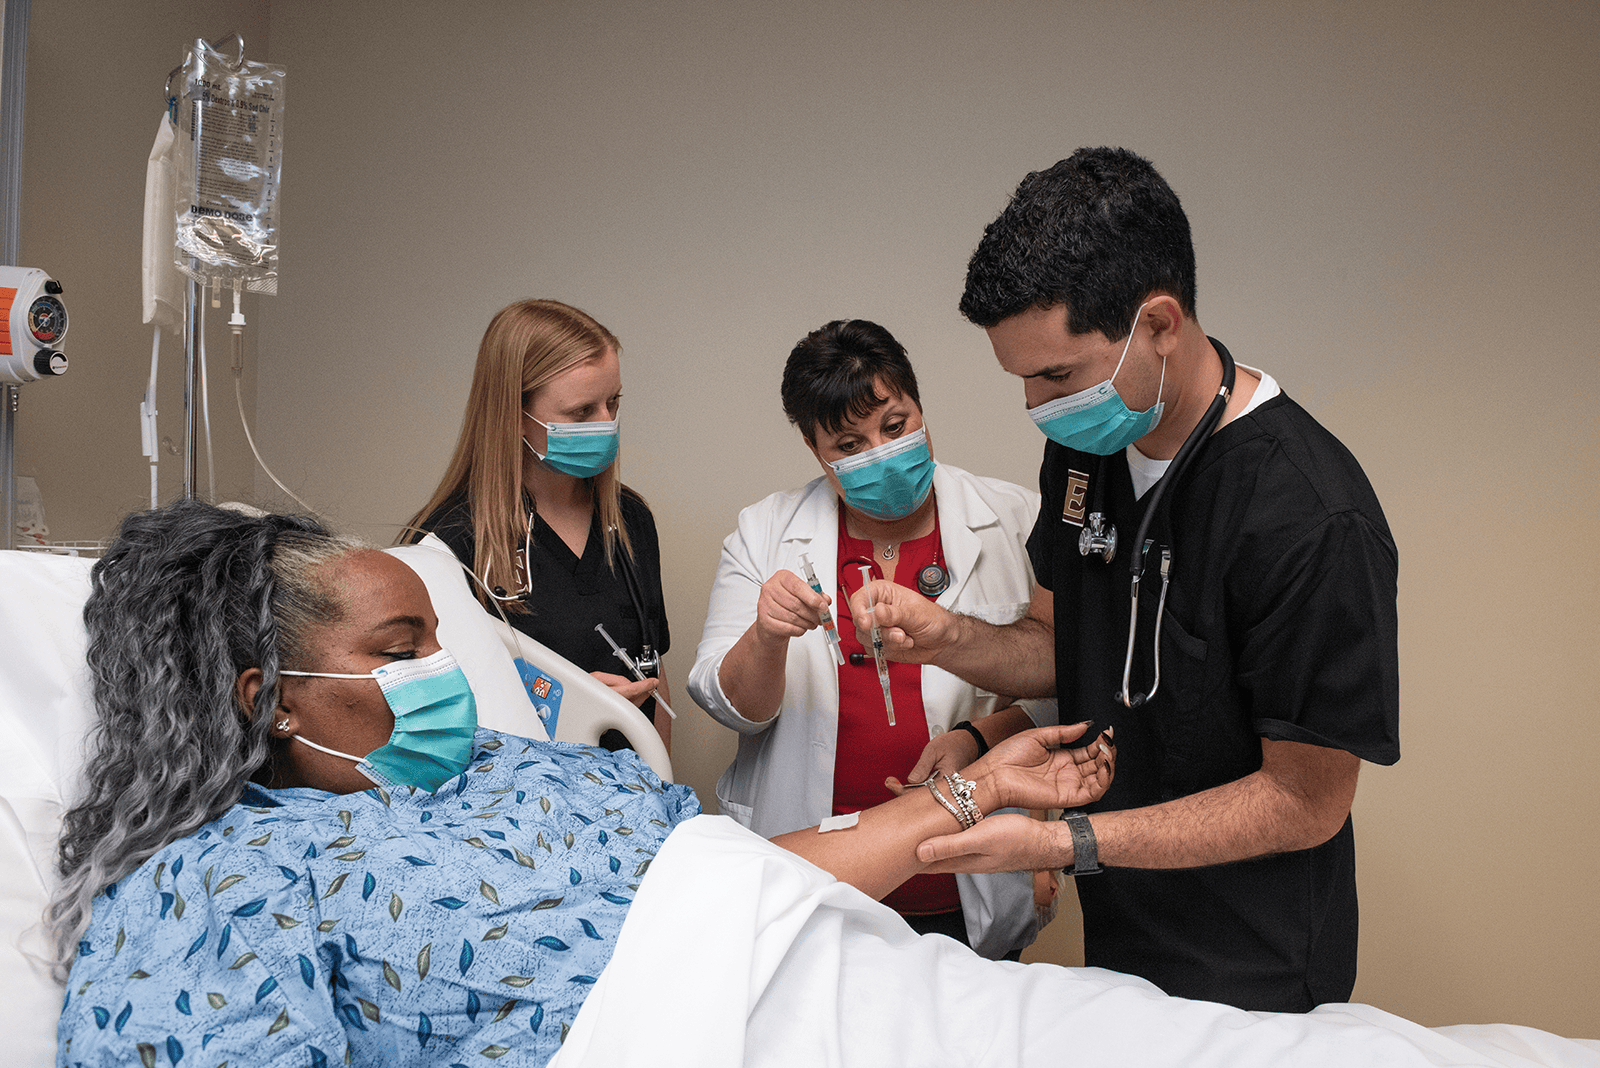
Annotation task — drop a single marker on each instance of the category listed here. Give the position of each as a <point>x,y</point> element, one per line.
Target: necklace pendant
<point>889,551</point>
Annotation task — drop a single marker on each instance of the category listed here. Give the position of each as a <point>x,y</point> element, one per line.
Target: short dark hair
<point>1099,232</point>
<point>832,375</point>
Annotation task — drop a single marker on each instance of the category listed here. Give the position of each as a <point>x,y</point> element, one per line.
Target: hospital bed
<point>46,709</point>
<point>734,952</point>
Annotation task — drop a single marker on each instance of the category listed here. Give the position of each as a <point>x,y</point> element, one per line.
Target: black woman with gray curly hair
<point>290,814</point>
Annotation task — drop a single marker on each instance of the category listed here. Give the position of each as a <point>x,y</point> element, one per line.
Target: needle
<point>623,656</point>
<point>877,645</point>
<point>828,627</point>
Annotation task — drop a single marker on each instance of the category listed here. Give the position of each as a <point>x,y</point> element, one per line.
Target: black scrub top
<point>570,594</point>
<point>1280,623</point>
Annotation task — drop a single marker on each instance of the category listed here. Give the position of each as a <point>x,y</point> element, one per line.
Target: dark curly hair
<point>1099,232</point>
<point>185,599</point>
<point>832,375</point>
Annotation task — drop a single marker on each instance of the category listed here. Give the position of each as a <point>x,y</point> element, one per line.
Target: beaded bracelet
<point>962,790</point>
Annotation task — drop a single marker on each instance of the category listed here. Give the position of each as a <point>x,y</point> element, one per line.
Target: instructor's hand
<point>787,608</point>
<point>950,751</point>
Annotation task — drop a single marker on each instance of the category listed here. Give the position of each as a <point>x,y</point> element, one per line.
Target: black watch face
<point>47,321</point>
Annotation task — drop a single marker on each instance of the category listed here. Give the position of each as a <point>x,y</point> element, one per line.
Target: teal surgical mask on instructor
<point>435,717</point>
<point>1096,420</point>
<point>888,481</point>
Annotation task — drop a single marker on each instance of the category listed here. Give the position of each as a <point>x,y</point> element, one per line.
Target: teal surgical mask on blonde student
<point>581,450</point>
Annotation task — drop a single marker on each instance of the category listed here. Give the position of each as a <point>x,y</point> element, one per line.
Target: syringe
<point>877,645</point>
<point>622,655</point>
<point>829,630</point>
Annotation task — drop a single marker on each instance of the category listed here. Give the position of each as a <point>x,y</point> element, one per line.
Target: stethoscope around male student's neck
<point>1099,537</point>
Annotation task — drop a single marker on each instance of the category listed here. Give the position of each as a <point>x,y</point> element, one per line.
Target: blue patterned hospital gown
<point>306,928</point>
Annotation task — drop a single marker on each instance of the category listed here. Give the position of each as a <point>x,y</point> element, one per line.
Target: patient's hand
<point>1025,772</point>
<point>635,693</point>
<point>1028,772</point>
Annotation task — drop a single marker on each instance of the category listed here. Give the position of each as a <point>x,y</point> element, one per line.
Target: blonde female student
<point>533,499</point>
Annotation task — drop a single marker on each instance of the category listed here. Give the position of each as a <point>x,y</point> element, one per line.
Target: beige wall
<point>1394,210</point>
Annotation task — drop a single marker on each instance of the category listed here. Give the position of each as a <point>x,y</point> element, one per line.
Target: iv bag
<point>229,159</point>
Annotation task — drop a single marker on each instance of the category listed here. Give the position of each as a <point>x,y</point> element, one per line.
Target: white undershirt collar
<point>1147,472</point>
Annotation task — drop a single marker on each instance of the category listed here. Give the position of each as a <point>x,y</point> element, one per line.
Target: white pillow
<point>45,709</point>
<point>468,632</point>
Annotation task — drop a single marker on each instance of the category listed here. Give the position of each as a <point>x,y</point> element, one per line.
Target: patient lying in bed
<point>390,925</point>
<point>236,888</point>
<point>295,849</point>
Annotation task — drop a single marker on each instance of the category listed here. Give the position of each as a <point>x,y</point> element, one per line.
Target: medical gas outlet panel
<point>33,323</point>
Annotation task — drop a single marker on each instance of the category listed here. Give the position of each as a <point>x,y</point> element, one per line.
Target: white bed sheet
<point>738,953</point>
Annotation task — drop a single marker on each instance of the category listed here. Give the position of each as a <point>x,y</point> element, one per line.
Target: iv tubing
<point>147,416</point>
<point>205,401</point>
<point>237,325</point>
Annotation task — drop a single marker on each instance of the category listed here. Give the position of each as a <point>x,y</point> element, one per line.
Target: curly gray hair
<point>186,598</point>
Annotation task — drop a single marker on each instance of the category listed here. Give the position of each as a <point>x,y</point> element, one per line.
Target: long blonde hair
<point>526,345</point>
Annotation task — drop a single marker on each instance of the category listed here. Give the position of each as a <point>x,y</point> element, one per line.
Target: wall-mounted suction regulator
<point>33,322</point>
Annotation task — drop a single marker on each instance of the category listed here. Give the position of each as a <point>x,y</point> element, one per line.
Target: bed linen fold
<point>736,952</point>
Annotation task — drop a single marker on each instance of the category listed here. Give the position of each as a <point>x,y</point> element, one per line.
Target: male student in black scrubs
<point>1225,841</point>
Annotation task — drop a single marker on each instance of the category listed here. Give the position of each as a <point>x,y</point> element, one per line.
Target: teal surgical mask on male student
<point>889,481</point>
<point>435,717</point>
<point>1096,420</point>
<point>581,450</point>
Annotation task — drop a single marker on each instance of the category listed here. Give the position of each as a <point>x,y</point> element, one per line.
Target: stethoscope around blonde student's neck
<point>648,659</point>
<point>1099,538</point>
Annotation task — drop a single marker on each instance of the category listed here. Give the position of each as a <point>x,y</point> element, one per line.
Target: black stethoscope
<point>932,580</point>
<point>648,661</point>
<point>1100,538</point>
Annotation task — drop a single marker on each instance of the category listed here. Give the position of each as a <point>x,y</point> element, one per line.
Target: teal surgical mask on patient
<point>435,717</point>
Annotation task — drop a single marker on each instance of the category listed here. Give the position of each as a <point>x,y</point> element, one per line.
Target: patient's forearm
<point>1033,769</point>
<point>880,852</point>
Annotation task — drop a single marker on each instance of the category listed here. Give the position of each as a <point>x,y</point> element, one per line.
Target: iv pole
<point>193,295</point>
<point>13,85</point>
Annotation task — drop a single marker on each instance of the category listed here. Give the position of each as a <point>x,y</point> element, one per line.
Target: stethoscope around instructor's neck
<point>1099,538</point>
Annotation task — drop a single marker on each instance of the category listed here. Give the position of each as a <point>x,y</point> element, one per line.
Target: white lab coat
<point>782,778</point>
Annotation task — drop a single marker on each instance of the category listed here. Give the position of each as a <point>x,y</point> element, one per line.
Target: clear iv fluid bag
<point>229,161</point>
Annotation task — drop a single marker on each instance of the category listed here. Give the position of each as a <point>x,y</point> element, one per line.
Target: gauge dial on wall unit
<point>47,320</point>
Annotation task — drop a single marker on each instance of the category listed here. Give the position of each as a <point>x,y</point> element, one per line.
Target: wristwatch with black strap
<point>1085,853</point>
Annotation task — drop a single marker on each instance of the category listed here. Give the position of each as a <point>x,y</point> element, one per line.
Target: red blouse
<point>868,750</point>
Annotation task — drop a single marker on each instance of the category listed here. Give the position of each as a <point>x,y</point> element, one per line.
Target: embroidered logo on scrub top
<point>1077,490</point>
